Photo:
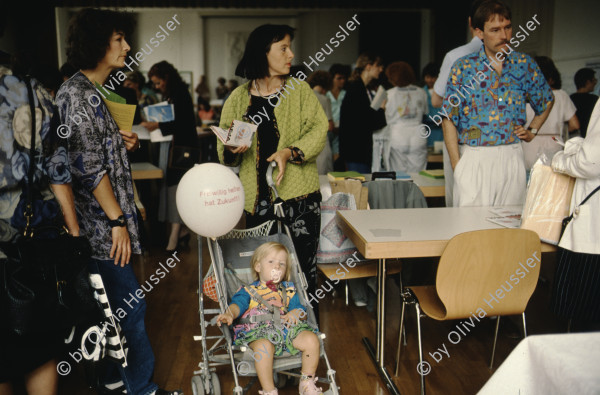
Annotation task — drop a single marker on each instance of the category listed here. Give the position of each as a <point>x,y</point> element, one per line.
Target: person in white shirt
<point>403,113</point>
<point>439,90</point>
<point>563,111</point>
<point>576,290</point>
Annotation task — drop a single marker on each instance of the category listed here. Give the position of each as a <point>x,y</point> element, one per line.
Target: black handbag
<point>183,157</point>
<point>46,279</point>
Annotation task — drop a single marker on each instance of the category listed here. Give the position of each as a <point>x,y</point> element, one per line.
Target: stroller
<point>230,268</point>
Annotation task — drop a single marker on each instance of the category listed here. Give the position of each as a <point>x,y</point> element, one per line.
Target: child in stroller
<point>272,319</point>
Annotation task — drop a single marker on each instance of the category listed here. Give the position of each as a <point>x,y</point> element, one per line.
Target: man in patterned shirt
<point>484,106</point>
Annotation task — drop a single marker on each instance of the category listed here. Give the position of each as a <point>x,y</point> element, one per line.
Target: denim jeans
<point>119,282</point>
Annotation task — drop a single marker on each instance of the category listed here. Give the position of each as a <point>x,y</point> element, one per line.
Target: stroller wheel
<point>215,383</point>
<point>197,385</point>
<point>279,380</point>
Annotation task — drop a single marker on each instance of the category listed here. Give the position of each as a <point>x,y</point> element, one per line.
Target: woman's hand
<point>150,125</point>
<point>226,318</point>
<point>131,140</point>
<point>280,157</point>
<point>121,245</point>
<point>237,150</point>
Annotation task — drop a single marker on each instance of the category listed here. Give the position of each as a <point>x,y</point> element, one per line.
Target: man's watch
<point>117,222</point>
<point>533,130</point>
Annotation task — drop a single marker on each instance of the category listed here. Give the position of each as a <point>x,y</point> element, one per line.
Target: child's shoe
<point>272,392</point>
<point>308,386</point>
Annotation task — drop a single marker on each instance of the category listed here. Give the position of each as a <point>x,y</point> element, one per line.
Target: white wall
<point>575,40</point>
<point>221,58</point>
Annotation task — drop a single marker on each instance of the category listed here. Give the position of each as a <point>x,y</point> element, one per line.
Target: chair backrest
<point>492,271</point>
<point>387,194</point>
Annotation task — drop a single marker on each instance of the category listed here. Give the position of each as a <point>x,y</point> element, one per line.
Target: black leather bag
<point>183,157</point>
<point>46,279</point>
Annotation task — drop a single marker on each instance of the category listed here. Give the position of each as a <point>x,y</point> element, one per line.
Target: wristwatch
<point>533,130</point>
<point>117,222</point>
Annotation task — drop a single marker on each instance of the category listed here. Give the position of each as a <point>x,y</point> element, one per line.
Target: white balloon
<point>210,199</point>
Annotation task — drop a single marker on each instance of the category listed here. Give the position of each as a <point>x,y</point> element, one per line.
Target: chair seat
<point>430,302</point>
<point>362,269</point>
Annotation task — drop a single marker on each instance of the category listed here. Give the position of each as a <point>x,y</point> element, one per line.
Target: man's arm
<point>64,195</point>
<point>538,120</point>
<point>451,139</point>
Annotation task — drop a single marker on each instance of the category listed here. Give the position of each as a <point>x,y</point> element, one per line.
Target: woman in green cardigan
<point>292,129</point>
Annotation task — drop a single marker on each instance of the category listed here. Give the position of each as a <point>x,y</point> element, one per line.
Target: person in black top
<point>358,120</point>
<point>584,101</point>
<point>167,80</point>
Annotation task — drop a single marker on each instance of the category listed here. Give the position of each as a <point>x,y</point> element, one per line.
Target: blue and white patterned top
<point>96,148</point>
<point>15,142</point>
<point>486,107</point>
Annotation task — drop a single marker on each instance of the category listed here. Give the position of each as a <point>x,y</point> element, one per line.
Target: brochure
<point>240,133</point>
<point>160,112</point>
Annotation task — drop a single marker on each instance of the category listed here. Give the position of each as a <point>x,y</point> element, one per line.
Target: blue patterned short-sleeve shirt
<point>49,154</point>
<point>96,148</point>
<point>485,106</point>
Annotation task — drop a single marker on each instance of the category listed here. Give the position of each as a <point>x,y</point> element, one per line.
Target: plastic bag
<point>548,201</point>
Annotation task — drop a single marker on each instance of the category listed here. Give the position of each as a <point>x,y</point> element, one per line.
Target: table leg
<point>378,355</point>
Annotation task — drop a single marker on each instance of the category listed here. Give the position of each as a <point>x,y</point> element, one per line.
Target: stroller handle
<point>270,181</point>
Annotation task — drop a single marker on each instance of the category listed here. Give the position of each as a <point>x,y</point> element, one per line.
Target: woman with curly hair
<point>167,81</point>
<point>97,46</point>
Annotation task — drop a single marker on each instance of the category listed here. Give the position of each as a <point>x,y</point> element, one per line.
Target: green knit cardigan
<point>302,123</point>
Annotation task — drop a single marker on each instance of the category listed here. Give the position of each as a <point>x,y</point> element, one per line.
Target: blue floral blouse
<point>50,155</point>
<point>96,148</point>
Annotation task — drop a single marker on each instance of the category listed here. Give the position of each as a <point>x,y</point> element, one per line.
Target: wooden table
<point>431,187</point>
<point>408,233</point>
<point>435,158</point>
<point>143,171</point>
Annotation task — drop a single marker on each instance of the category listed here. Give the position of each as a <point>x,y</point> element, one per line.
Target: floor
<point>172,320</point>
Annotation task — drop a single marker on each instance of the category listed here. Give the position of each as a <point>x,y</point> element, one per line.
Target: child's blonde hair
<point>261,252</point>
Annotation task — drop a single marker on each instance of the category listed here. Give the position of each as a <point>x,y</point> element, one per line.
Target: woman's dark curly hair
<point>89,34</point>
<point>320,78</point>
<point>166,71</point>
<point>550,71</point>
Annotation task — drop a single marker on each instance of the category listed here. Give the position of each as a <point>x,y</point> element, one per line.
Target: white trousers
<point>490,176</point>
<point>408,149</point>
<point>448,177</point>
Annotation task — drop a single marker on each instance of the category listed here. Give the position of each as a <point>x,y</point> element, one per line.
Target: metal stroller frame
<point>205,380</point>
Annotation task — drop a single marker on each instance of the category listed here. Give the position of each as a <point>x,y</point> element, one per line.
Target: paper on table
<point>123,114</point>
<point>386,232</point>
<point>142,132</point>
<point>156,136</point>
<point>380,96</point>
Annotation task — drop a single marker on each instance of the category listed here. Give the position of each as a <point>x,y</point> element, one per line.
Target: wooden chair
<point>482,273</point>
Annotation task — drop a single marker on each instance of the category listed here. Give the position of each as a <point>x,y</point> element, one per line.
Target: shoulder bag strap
<point>589,196</point>
<point>29,207</point>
